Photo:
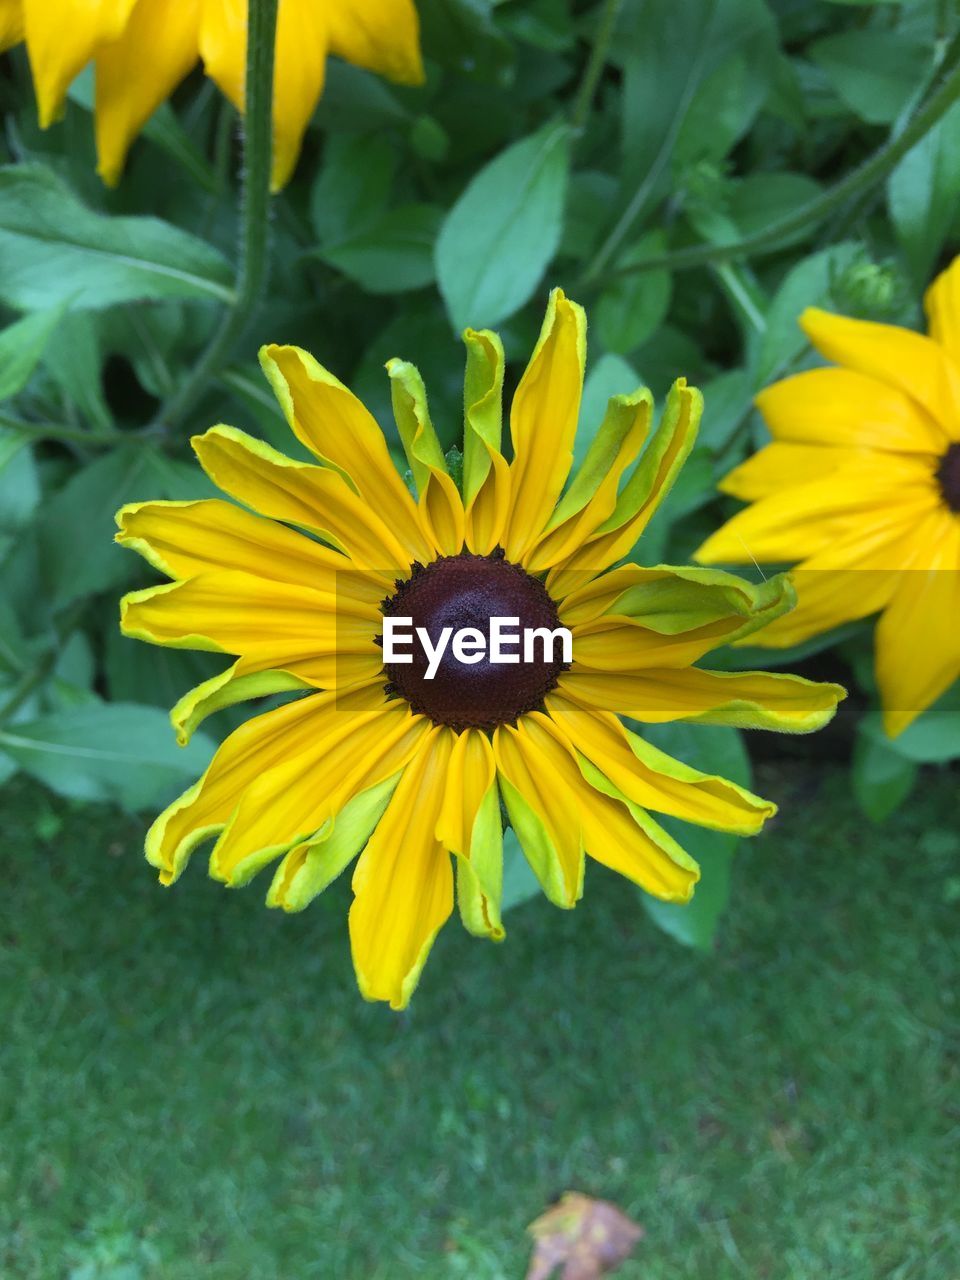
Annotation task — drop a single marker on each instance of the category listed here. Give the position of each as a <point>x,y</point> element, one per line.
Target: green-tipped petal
<point>539,850</point>
<point>441,508</point>
<point>226,690</point>
<point>480,875</point>
<point>482,407</point>
<point>310,867</point>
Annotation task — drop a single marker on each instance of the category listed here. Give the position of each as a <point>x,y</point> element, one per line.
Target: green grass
<point>192,1086</point>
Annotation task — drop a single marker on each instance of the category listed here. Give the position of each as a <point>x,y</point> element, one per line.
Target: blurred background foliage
<point>695,174</point>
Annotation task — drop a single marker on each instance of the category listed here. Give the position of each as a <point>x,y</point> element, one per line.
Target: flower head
<point>408,769</point>
<point>861,486</point>
<point>142,49</point>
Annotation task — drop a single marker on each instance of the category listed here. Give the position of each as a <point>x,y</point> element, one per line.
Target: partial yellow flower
<point>861,486</point>
<point>144,48</point>
<point>410,772</point>
<point>11,23</point>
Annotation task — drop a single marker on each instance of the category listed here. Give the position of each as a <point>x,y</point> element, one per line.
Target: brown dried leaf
<point>588,1238</point>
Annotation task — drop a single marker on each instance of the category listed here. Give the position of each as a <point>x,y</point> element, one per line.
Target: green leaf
<point>808,284</point>
<point>55,250</point>
<point>356,101</point>
<point>75,363</point>
<point>519,882</point>
<point>874,72</point>
<point>727,404</point>
<point>713,750</point>
<point>462,34</point>
<point>502,233</point>
<point>393,255</point>
<point>610,376</point>
<point>763,198</point>
<point>19,490</point>
<point>722,111</point>
<point>934,738</point>
<point>138,672</point>
<point>670,49</point>
<point>78,554</point>
<point>923,191</point>
<point>352,188</point>
<point>21,346</point>
<point>119,752</point>
<point>632,309</point>
<point>882,777</point>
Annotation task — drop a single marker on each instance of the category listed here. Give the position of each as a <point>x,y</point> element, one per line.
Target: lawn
<point>192,1086</point>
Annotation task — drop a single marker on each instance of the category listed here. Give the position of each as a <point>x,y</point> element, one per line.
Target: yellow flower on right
<point>860,491</point>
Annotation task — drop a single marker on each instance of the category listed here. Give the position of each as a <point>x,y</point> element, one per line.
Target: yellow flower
<point>861,485</point>
<point>380,758</point>
<point>144,48</point>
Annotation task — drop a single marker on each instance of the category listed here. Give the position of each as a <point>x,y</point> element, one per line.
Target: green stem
<point>38,675</point>
<point>254,239</point>
<point>872,171</point>
<point>595,64</point>
<point>739,292</point>
<point>68,435</point>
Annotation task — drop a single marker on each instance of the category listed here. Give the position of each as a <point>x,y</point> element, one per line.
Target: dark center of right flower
<point>949,477</point>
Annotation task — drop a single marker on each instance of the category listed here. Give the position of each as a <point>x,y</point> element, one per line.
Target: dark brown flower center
<point>467,591</point>
<point>949,477</point>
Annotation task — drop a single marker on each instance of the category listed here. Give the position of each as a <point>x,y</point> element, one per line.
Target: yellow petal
<point>11,23</point>
<point>654,780</point>
<point>589,503</point>
<point>614,643</point>
<point>316,498</point>
<point>258,745</point>
<point>780,466</point>
<point>551,842</point>
<point>294,801</point>
<point>871,492</point>
<point>138,71</point>
<point>469,826</point>
<point>231,686</point>
<point>184,539</point>
<point>543,422</point>
<point>636,617</point>
<point>747,700</point>
<point>487,515</point>
<point>908,361</point>
<point>62,36</point>
<point>440,505</point>
<point>620,836</point>
<point>486,473</point>
<point>942,303</point>
<point>918,637</point>
<point>403,882</point>
<point>853,578</point>
<point>274,625</point>
<point>845,409</point>
<point>301,55</point>
<point>335,426</point>
<point>381,35</point>
<point>309,867</point>
<point>638,501</point>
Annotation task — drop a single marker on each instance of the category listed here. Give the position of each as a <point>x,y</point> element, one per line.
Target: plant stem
<point>595,64</point>
<point>254,239</point>
<point>37,675</point>
<point>68,435</point>
<point>855,184</point>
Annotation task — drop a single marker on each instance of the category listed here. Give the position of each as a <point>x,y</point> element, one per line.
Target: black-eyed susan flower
<point>377,758</point>
<point>142,49</point>
<point>861,486</point>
